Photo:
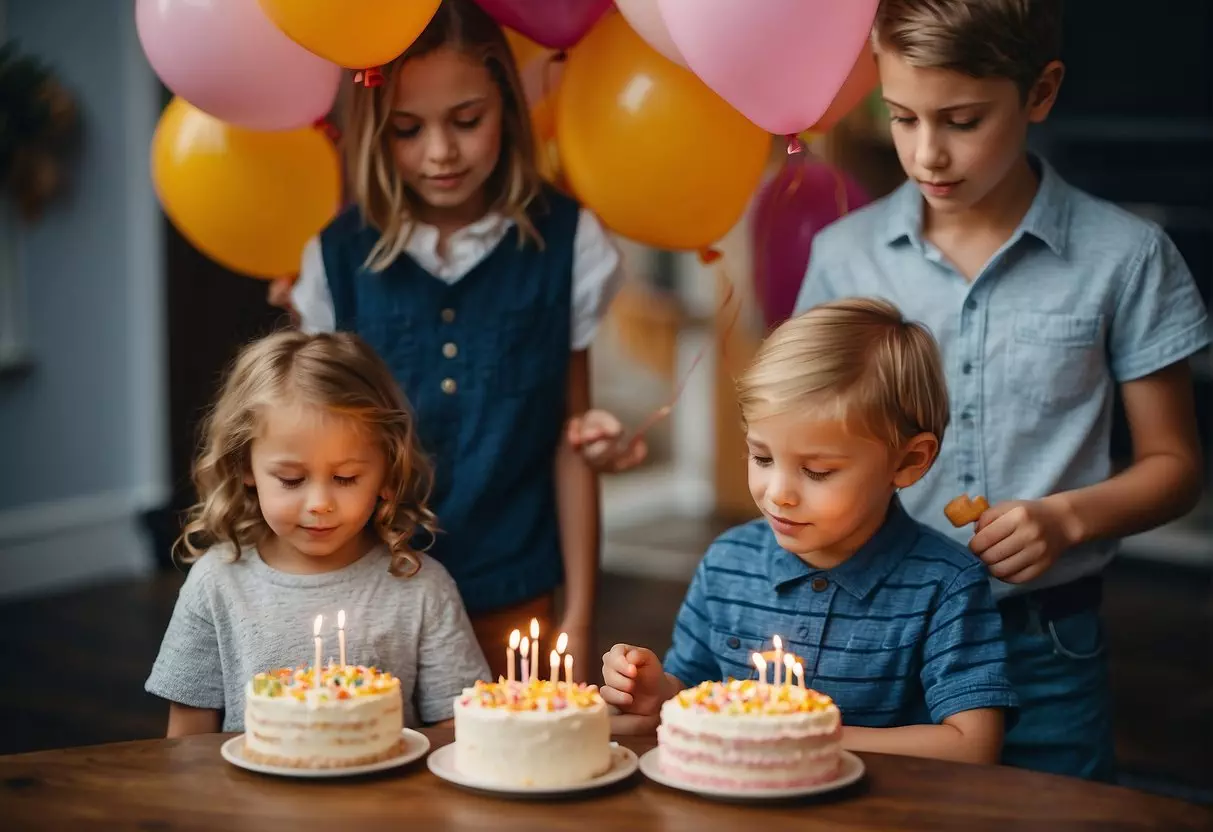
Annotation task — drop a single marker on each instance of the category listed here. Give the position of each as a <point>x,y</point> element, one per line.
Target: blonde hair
<point>334,371</point>
<point>856,360</point>
<point>1013,39</point>
<point>385,201</point>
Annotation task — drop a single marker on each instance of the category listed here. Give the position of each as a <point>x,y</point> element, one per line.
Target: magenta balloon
<point>229,60</point>
<point>556,24</point>
<point>790,209</point>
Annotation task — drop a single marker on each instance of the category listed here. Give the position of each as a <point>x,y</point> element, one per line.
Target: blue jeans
<point>1060,674</point>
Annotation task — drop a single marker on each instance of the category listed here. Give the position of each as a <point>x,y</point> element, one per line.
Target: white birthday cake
<point>750,735</point>
<point>353,717</point>
<point>538,734</point>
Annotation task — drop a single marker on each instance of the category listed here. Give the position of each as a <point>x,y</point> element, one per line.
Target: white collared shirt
<point>597,271</point>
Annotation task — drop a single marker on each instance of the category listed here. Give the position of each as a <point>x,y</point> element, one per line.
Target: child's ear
<point>1043,94</point>
<point>917,455</point>
<point>248,479</point>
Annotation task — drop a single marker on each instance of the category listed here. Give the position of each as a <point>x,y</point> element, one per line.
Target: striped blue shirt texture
<point>905,632</point>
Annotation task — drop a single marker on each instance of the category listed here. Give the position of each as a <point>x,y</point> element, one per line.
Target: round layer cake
<point>535,735</point>
<point>743,735</point>
<point>354,717</point>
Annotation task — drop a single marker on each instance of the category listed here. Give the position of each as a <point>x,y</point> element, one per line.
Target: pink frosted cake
<point>747,735</point>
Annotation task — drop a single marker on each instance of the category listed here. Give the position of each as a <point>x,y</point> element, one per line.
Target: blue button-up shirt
<point>1083,296</point>
<point>904,632</point>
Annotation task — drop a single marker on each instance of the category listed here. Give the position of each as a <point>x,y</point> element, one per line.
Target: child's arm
<point>579,513</point>
<point>967,737</point>
<point>184,720</point>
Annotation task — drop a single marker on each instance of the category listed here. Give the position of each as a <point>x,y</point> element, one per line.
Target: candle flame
<point>555,658</point>
<point>568,663</point>
<point>760,662</point>
<point>798,669</point>
<point>526,646</point>
<point>789,660</point>
<point>534,629</point>
<point>514,640</point>
<point>340,619</point>
<point>778,643</point>
<point>562,643</point>
<point>319,623</point>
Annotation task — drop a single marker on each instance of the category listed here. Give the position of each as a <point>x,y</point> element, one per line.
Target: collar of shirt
<point>1047,219</point>
<point>465,248</point>
<point>863,571</point>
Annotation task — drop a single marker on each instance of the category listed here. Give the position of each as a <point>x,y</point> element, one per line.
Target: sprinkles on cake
<point>336,682</point>
<point>736,696</point>
<point>536,695</point>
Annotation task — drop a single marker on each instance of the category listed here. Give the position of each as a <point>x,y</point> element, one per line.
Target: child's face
<point>318,476</point>
<point>446,128</point>
<point>959,137</point>
<point>825,489</point>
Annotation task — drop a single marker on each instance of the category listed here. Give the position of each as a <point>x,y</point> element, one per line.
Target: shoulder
<point>938,558</point>
<point>864,226</point>
<point>347,224</point>
<point>431,578</point>
<point>213,574</point>
<point>1099,226</point>
<point>746,544</point>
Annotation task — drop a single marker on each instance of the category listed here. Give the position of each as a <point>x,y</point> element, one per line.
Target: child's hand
<point>279,294</point>
<point>597,435</point>
<point>633,682</point>
<point>1021,539</point>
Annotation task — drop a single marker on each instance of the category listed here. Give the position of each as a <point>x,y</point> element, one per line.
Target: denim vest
<point>483,363</point>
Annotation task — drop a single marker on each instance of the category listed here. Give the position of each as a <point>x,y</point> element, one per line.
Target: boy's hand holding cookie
<point>1020,540</point>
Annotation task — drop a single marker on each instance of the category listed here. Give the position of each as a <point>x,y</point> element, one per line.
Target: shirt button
<point>819,584</point>
<point>967,416</point>
<point>734,642</point>
<point>450,350</point>
<point>448,315</point>
<point>448,386</point>
<point>968,479</point>
<point>970,304</point>
<point>968,368</point>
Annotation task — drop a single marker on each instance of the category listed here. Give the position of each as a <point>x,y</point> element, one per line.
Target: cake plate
<point>850,770</point>
<point>442,763</point>
<point>415,746</point>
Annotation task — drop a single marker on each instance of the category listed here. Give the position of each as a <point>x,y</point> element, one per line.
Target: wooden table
<point>185,784</point>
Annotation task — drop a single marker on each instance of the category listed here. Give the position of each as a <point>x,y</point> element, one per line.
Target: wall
<point>83,427</point>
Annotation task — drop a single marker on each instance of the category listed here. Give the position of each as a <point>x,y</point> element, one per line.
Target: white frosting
<point>316,732</point>
<point>531,748</point>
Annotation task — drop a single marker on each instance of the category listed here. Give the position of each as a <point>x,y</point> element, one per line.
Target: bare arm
<point>967,737</point>
<point>579,514</point>
<point>1164,480</point>
<point>184,720</point>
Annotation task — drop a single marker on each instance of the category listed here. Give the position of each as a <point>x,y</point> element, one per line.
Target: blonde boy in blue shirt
<point>1042,298</point>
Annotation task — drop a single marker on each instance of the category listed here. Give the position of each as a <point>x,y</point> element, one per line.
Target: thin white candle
<point>554,658</point>
<point>509,661</point>
<point>777,669</point>
<point>316,634</point>
<point>524,651</point>
<point>535,647</point>
<point>568,673</point>
<point>341,636</point>
<point>799,670</point>
<point>789,661</point>
<point>761,664</point>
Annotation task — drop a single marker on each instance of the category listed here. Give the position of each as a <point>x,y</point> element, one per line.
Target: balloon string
<point>548,68</point>
<point>730,299</point>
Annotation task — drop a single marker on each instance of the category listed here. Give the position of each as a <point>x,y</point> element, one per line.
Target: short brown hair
<point>1013,39</point>
<point>381,195</point>
<point>856,360</point>
<point>334,371</point>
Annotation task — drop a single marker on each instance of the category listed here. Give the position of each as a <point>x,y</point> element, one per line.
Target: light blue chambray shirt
<point>1082,297</point>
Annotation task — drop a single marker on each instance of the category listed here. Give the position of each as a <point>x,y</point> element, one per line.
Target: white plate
<point>442,763</point>
<point>415,746</point>
<point>852,770</point>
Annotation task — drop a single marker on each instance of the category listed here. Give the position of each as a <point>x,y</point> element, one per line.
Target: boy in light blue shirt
<point>1044,299</point>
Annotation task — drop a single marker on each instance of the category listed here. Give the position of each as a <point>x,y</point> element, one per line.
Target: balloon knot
<point>709,255</point>
<point>327,128</point>
<point>372,77</point>
<point>795,145</point>
<point>560,56</point>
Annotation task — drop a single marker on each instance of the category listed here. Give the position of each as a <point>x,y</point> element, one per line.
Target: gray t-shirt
<point>234,619</point>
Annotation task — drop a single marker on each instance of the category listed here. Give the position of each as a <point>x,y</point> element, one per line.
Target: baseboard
<point>61,544</point>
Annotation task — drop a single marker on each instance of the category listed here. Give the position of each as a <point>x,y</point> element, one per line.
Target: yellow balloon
<point>356,34</point>
<point>247,199</point>
<point>657,155</point>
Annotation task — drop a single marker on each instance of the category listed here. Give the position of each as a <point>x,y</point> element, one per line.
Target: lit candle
<point>535,647</point>
<point>341,635</point>
<point>799,671</point>
<point>789,662</point>
<point>510,656</point>
<point>778,668</point>
<point>316,634</point>
<point>524,651</point>
<point>568,674</point>
<point>761,664</point>
<point>555,659</point>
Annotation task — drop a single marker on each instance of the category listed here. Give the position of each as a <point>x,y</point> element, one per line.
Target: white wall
<point>83,428</point>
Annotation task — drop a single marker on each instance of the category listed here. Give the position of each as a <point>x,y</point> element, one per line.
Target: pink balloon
<point>790,209</point>
<point>229,60</point>
<point>556,24</point>
<point>779,62</point>
<point>645,19</point>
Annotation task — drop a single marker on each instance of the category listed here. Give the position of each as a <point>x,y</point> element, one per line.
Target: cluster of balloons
<point>657,114</point>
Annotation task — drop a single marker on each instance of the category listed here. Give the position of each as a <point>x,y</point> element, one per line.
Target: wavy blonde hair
<point>334,371</point>
<point>856,360</point>
<point>385,201</point>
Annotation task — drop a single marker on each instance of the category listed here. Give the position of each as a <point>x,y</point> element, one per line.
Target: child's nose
<point>930,151</point>
<point>319,500</point>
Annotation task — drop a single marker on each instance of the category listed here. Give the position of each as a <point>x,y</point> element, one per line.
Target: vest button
<point>820,584</point>
<point>450,350</point>
<point>448,386</point>
<point>448,315</point>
